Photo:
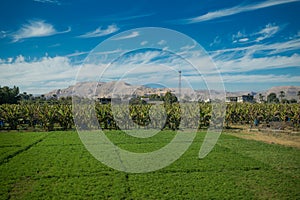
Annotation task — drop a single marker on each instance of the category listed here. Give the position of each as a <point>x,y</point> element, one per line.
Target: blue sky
<point>254,44</point>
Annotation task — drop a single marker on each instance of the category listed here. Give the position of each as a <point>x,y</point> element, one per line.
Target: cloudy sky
<point>254,44</point>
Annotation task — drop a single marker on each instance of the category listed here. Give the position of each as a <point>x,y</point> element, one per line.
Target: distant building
<point>240,99</point>
<point>159,92</point>
<point>104,100</point>
<point>245,98</point>
<point>231,99</point>
<point>207,101</point>
<point>155,102</point>
<point>145,99</point>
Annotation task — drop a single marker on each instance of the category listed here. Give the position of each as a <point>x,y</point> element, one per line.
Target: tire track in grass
<point>7,158</point>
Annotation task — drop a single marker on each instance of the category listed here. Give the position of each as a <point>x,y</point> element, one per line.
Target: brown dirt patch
<point>287,138</point>
<point>21,188</point>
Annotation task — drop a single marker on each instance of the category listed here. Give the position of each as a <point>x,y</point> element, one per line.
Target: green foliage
<point>136,101</point>
<point>56,165</point>
<point>24,116</point>
<point>272,98</point>
<point>155,97</point>
<point>246,113</point>
<point>9,95</point>
<point>170,98</point>
<point>51,117</point>
<point>281,95</point>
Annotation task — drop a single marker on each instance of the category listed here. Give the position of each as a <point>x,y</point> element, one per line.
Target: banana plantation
<point>49,117</point>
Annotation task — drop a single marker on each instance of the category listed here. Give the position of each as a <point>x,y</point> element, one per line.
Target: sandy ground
<point>291,138</point>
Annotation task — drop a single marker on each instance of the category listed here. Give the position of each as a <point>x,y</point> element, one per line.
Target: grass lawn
<point>56,165</point>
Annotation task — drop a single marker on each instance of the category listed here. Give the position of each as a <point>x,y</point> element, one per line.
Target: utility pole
<point>179,85</point>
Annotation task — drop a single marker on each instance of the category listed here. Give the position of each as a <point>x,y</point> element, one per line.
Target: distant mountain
<point>291,92</point>
<point>109,89</point>
<point>102,89</point>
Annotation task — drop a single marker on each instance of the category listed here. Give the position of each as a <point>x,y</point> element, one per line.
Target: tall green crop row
<point>24,116</point>
<point>246,113</point>
<point>171,116</point>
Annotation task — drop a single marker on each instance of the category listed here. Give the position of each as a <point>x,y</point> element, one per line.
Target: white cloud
<point>3,34</point>
<point>124,18</point>
<point>235,10</point>
<point>270,49</point>
<point>240,79</point>
<point>243,39</point>
<point>55,45</point>
<point>238,36</point>
<point>140,58</point>
<point>35,76</point>
<point>266,32</point>
<point>162,42</point>
<point>99,32</point>
<point>48,73</point>
<point>252,58</point>
<point>9,60</point>
<point>20,59</point>
<point>48,1</point>
<point>131,35</point>
<point>269,78</point>
<point>257,57</point>
<point>216,41</point>
<point>80,53</point>
<point>37,28</point>
<point>247,63</point>
<point>144,43</point>
<point>188,47</point>
<point>77,53</point>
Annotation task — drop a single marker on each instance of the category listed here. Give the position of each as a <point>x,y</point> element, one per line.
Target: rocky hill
<point>290,92</point>
<point>109,89</point>
<point>102,89</point>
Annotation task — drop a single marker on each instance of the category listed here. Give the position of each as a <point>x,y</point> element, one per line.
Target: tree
<point>170,98</point>
<point>272,98</point>
<point>298,94</point>
<point>9,95</point>
<point>26,97</point>
<point>285,101</point>
<point>281,95</point>
<point>154,97</point>
<point>136,101</point>
<point>261,97</point>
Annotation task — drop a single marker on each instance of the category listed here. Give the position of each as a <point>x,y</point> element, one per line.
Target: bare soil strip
<point>285,138</point>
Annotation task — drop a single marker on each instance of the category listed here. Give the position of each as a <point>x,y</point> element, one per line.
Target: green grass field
<point>56,165</point>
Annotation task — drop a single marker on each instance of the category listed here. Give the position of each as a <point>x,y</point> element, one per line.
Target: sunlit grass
<point>57,165</point>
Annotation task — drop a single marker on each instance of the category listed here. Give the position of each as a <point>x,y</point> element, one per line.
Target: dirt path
<point>291,139</point>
